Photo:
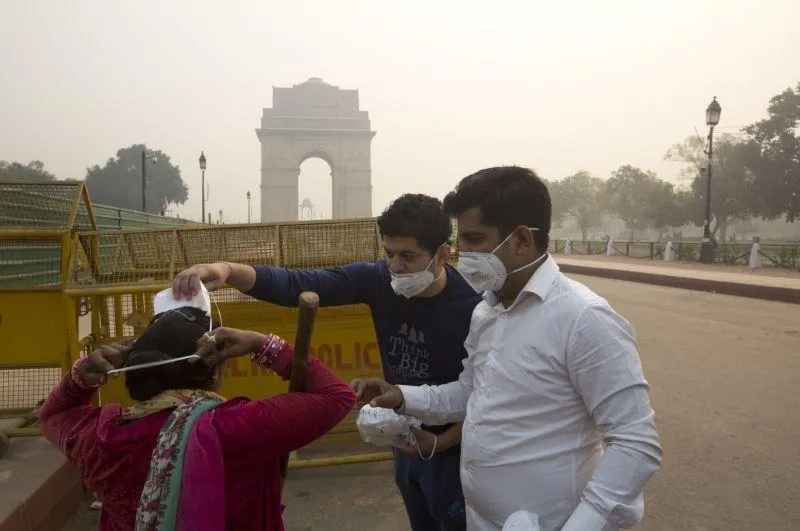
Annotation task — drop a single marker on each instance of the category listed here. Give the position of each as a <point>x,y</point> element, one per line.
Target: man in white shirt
<point>552,376</point>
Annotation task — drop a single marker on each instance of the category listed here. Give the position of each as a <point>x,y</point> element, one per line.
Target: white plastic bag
<point>384,427</point>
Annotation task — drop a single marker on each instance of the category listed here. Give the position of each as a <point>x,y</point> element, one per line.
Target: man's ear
<point>524,239</point>
<point>443,254</point>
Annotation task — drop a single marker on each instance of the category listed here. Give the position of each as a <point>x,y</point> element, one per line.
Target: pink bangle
<point>269,351</point>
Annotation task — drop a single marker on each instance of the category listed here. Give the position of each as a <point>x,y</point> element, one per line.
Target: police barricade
<point>120,271</point>
<point>38,322</point>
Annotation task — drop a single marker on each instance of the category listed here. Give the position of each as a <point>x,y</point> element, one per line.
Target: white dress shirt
<point>548,382</point>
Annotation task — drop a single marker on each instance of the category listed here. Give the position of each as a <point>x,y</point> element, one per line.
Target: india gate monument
<point>315,119</point>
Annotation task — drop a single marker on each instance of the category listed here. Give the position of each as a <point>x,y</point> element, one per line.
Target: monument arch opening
<point>315,188</point>
<point>309,121</point>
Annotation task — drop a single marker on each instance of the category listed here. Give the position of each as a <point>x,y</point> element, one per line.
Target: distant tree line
<point>118,182</point>
<point>755,174</point>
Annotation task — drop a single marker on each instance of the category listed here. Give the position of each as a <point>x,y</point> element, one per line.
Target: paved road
<point>725,377</point>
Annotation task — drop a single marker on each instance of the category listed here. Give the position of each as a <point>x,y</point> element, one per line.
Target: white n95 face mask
<point>164,301</point>
<point>412,284</point>
<point>485,271</point>
<point>522,521</point>
<point>384,427</point>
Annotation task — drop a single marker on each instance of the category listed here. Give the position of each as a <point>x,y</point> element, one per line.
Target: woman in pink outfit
<point>182,457</point>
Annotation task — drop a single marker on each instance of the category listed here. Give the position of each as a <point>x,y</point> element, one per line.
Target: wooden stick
<point>307,304</point>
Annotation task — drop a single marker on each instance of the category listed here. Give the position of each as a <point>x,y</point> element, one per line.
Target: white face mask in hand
<point>485,271</point>
<point>164,301</point>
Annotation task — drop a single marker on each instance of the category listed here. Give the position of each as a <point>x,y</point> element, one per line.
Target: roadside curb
<point>738,289</point>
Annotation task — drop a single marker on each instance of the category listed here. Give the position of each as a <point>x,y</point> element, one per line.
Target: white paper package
<point>384,427</point>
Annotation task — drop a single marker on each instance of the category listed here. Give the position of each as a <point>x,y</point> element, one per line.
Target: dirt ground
<point>724,375</point>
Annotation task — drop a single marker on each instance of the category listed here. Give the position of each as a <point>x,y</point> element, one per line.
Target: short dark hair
<point>170,334</point>
<point>508,196</point>
<point>417,216</point>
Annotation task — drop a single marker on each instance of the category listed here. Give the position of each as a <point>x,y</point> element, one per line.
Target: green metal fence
<point>59,207</point>
<point>111,218</point>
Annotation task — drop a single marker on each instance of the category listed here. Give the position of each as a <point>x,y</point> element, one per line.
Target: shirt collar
<point>539,284</point>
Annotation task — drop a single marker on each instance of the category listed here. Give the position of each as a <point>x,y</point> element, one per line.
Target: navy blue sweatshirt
<point>421,339</point>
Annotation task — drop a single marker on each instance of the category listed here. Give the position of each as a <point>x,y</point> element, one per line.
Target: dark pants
<point>431,490</point>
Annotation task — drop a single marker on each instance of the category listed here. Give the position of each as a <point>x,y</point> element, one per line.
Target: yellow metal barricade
<point>38,322</point>
<point>66,287</point>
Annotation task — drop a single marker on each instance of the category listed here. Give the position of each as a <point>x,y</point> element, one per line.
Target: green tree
<point>119,182</point>
<point>635,196</point>
<point>733,196</point>
<point>558,213</point>
<point>777,167</point>
<point>33,171</point>
<point>582,197</point>
<point>668,207</point>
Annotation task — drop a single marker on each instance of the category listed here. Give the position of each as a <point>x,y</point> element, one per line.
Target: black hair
<point>417,216</point>
<point>170,334</point>
<point>508,196</point>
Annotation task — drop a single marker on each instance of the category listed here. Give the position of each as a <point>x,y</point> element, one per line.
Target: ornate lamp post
<point>712,119</point>
<point>203,184</point>
<point>248,206</point>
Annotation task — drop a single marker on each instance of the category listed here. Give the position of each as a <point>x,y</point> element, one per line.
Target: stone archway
<point>315,119</point>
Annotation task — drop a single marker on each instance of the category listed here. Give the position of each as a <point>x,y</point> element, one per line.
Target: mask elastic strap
<point>526,266</point>
<point>505,240</point>
<point>211,311</point>
<point>151,364</point>
<point>444,271</point>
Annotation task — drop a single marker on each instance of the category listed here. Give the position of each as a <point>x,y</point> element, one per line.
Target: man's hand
<point>377,392</point>
<point>187,284</point>
<point>223,343</point>
<point>102,360</point>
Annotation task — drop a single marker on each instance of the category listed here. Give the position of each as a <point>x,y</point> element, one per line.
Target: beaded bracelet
<point>269,350</point>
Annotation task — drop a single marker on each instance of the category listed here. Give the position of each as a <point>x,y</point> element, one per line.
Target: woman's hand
<point>223,343</point>
<point>104,359</point>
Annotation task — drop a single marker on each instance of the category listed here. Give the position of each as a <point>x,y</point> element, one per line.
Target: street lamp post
<point>203,184</point>
<point>248,206</point>
<point>712,119</point>
<point>144,179</point>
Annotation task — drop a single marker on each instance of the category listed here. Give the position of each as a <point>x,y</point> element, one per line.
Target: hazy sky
<point>451,86</point>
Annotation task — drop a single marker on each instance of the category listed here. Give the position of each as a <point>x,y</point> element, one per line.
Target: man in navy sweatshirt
<point>421,309</point>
